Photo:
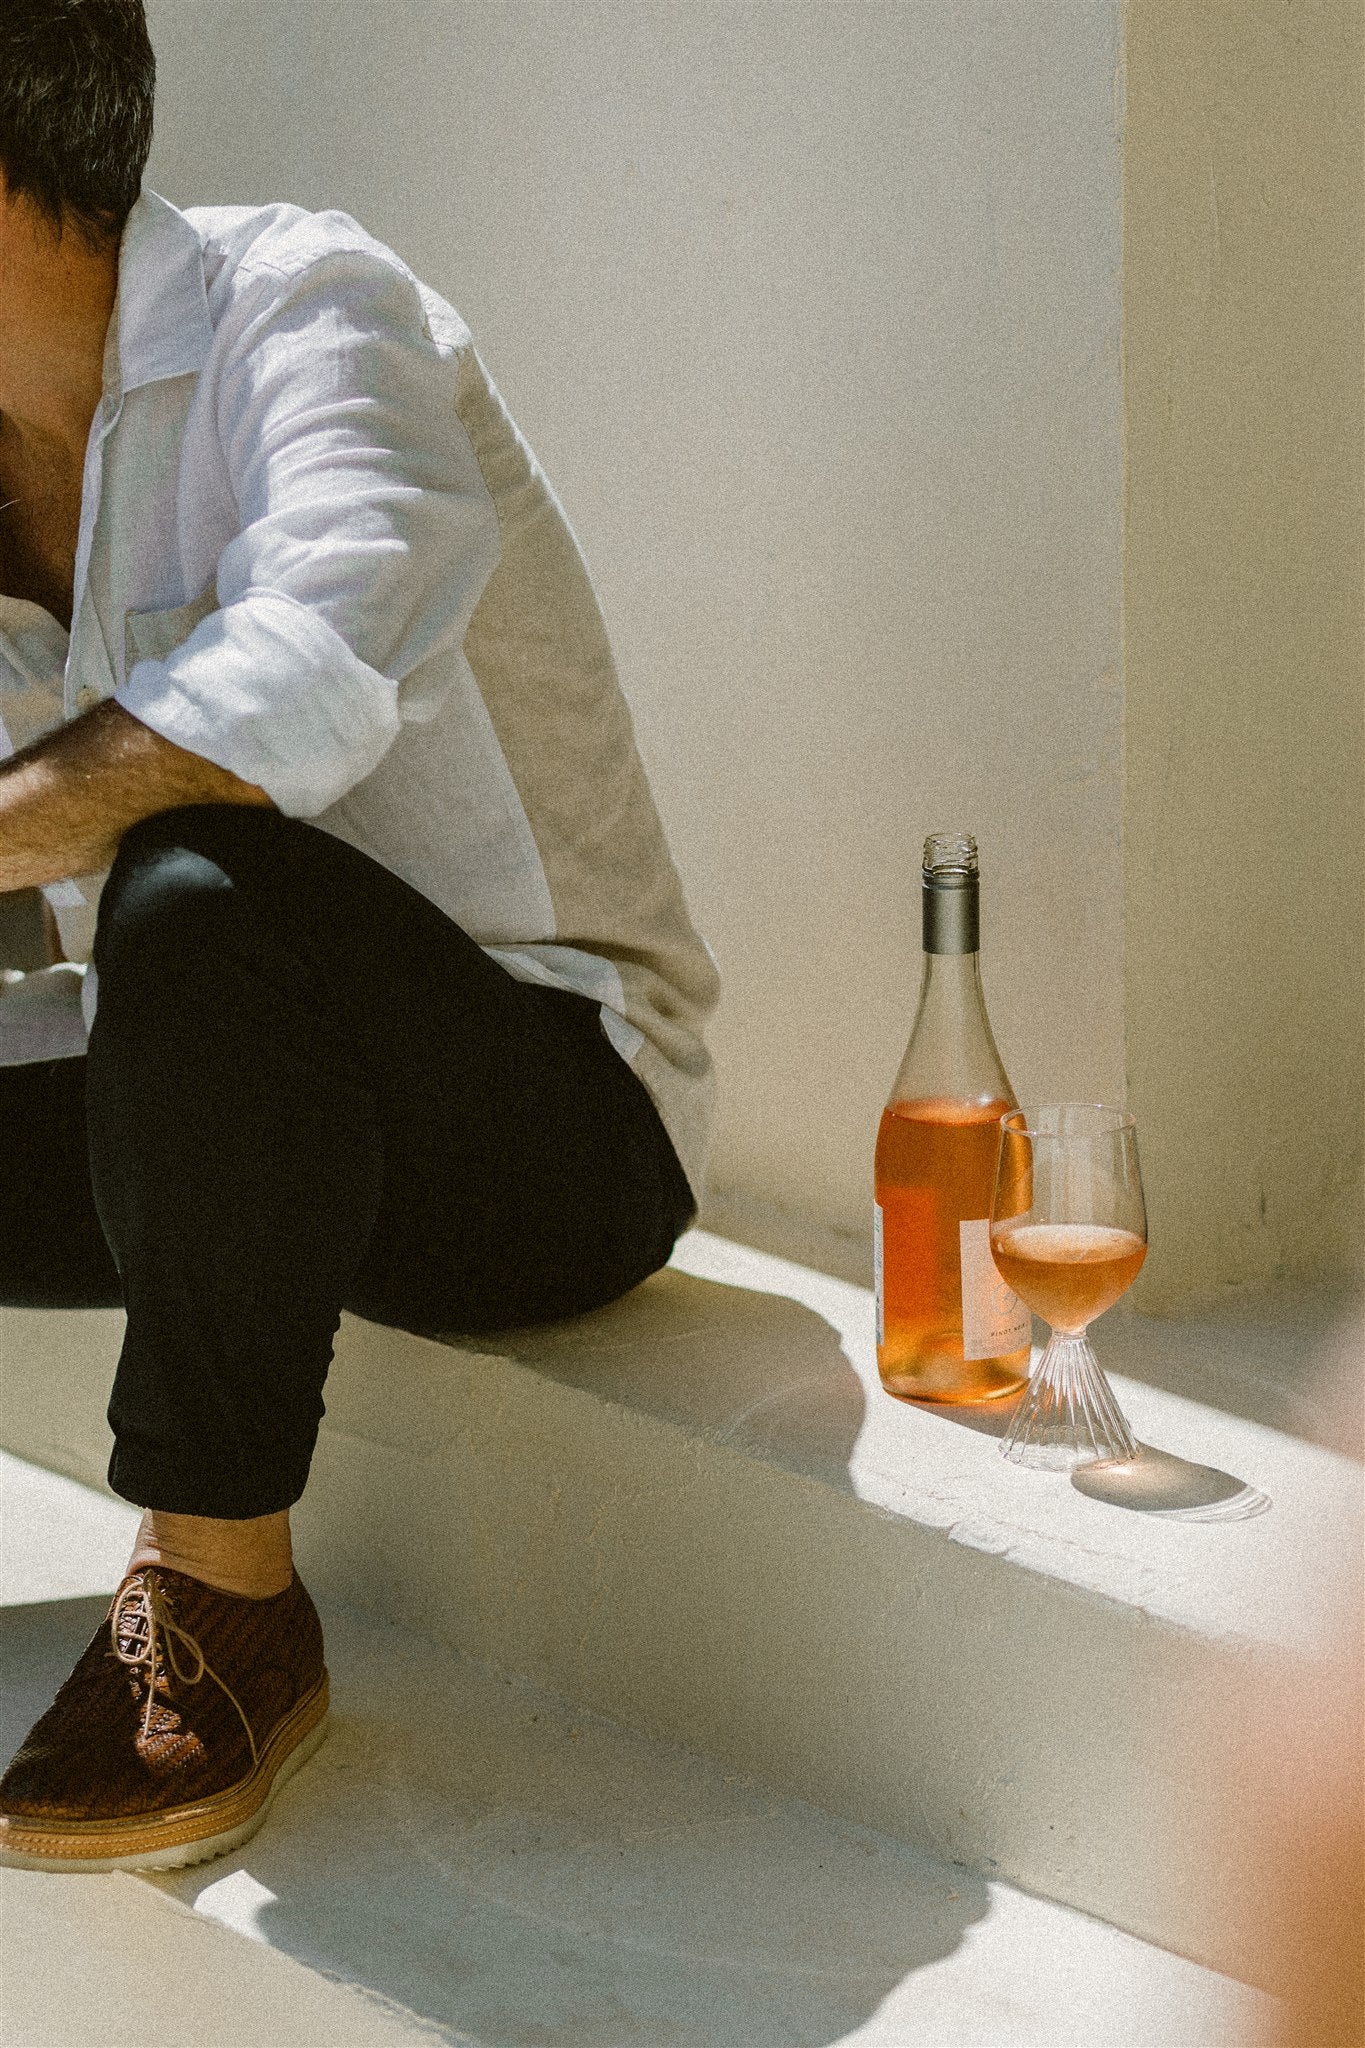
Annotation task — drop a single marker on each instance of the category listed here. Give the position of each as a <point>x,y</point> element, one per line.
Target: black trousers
<point>307,1089</point>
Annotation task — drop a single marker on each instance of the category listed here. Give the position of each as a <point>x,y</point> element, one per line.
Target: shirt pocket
<point>153,636</point>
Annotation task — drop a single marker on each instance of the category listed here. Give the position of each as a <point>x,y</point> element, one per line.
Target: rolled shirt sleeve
<point>366,536</point>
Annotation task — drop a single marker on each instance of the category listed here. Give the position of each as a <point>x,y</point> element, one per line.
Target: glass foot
<point>1067,1415</point>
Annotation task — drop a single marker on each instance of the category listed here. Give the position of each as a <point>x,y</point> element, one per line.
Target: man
<point>322,760</point>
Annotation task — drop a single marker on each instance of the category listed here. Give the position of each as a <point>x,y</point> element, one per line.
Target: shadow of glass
<point>1159,1483</point>
<point>1154,1483</point>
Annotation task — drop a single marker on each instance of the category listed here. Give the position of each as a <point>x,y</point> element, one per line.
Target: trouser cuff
<point>150,1483</point>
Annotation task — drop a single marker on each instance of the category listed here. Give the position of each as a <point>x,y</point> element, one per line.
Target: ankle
<point>253,1559</point>
<point>247,1585</point>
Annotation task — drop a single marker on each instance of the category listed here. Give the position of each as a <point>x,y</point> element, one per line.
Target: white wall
<point>812,312</point>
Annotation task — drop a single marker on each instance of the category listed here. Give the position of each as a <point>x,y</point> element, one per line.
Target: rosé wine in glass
<point>1069,1235</point>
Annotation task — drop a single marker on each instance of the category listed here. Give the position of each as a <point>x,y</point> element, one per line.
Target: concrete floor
<point>469,1860</point>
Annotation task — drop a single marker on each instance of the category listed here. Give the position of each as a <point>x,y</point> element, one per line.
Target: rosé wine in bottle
<point>949,1328</point>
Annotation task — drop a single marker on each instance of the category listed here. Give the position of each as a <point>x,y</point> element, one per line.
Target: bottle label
<point>877,1272</point>
<point>994,1320</point>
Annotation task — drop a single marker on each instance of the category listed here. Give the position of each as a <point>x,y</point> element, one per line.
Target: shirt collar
<point>161,325</point>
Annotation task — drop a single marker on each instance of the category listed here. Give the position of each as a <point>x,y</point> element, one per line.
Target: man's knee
<point>171,904</point>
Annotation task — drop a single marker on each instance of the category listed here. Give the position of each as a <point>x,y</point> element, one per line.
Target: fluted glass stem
<point>1067,1415</point>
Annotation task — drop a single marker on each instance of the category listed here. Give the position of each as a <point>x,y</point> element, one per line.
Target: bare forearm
<point>67,800</point>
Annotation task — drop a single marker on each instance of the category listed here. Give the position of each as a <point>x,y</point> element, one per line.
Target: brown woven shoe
<point>171,1736</point>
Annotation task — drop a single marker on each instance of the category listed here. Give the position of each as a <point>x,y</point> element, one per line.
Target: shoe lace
<point>145,1633</point>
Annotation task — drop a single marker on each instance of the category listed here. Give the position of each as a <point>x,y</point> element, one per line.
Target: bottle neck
<point>951,1052</point>
<point>951,999</point>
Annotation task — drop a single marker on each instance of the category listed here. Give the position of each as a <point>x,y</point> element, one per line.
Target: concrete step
<point>697,1513</point>
<point>468,1859</point>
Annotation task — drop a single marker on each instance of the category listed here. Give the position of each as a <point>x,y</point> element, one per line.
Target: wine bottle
<point>948,1326</point>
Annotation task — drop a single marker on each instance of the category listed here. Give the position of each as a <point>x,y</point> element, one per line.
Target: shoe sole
<point>186,1834</point>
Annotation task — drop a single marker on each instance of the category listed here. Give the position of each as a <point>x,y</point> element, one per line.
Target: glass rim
<point>1120,1120</point>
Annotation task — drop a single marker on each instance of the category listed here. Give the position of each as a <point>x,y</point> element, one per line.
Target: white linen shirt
<point>315,550</point>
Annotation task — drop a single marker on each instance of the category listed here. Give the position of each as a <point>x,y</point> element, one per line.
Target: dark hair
<point>77,82</point>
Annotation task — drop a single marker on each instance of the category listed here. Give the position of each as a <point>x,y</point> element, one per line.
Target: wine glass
<point>1069,1234</point>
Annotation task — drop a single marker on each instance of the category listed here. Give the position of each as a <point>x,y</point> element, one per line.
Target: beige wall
<point>812,312</point>
<point>1244,887</point>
